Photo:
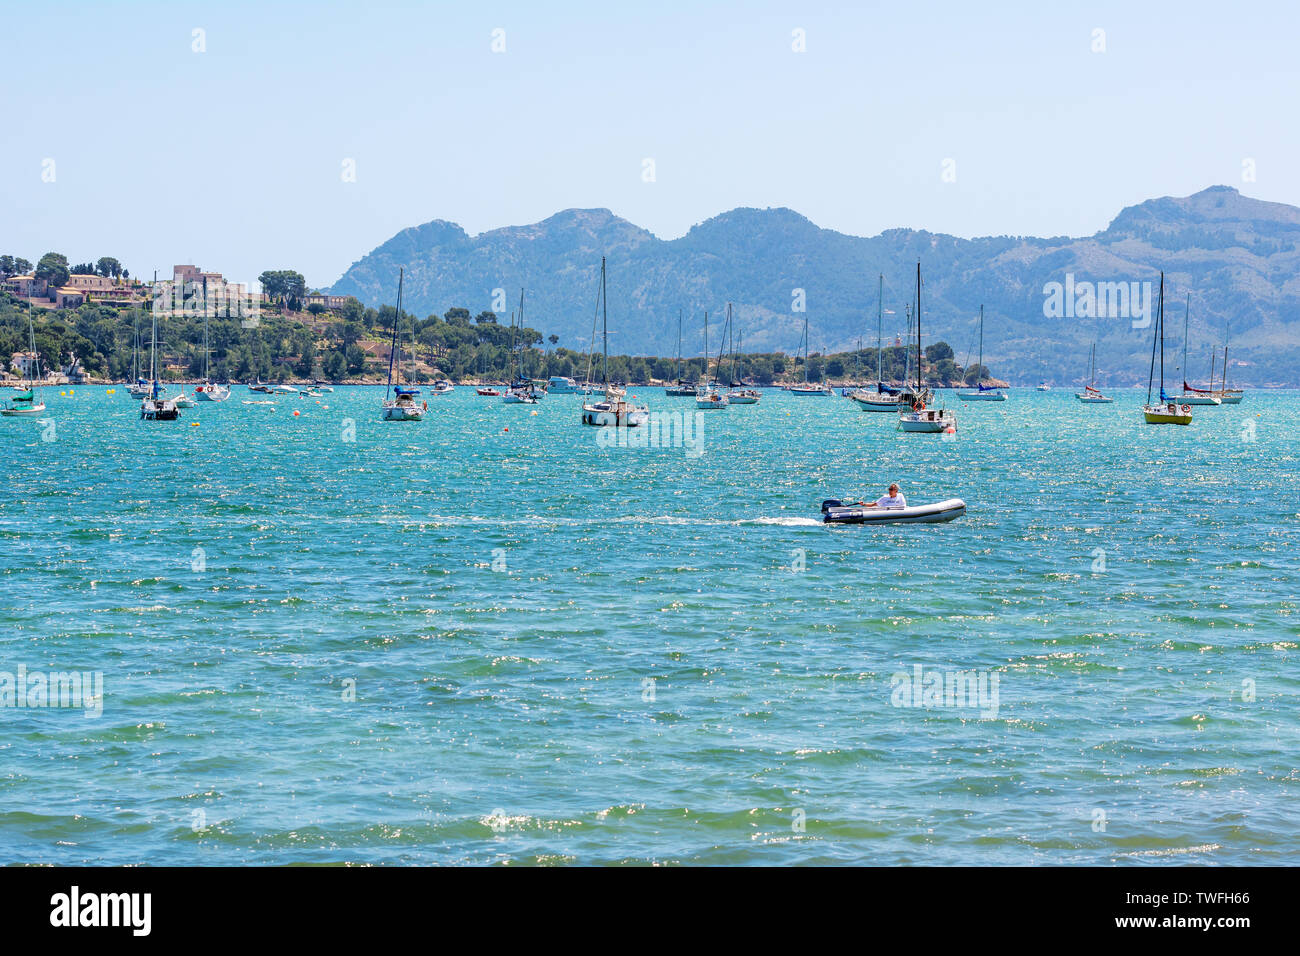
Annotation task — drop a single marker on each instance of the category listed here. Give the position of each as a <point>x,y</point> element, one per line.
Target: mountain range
<point>1237,258</point>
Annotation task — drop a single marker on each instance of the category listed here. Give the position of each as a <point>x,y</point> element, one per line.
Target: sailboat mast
<point>806,350</point>
<point>678,368</point>
<point>604,322</point>
<point>1186,312</point>
<point>153,341</point>
<point>519,352</point>
<point>979,373</point>
<point>880,328</point>
<point>918,327</point>
<point>392,351</point>
<point>706,348</point>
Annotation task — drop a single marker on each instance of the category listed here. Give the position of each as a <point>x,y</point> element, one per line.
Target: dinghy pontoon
<point>835,511</point>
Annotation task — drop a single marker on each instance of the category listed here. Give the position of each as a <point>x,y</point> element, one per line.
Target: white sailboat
<point>709,395</point>
<point>1230,396</point>
<point>614,409</point>
<point>982,393</point>
<point>1195,396</point>
<point>207,392</point>
<point>140,387</point>
<point>27,403</point>
<point>521,391</point>
<point>402,406</point>
<point>740,394</point>
<point>1091,394</point>
<point>809,389</point>
<point>919,418</point>
<point>883,399</point>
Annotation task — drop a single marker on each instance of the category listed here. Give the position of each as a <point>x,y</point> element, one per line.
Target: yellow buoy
<point>194,424</point>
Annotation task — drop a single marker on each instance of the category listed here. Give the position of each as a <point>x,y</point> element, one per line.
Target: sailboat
<point>680,387</point>
<point>809,389</point>
<point>739,394</point>
<point>1091,394</point>
<point>1195,396</point>
<point>1168,412</point>
<point>207,392</point>
<point>710,394</point>
<point>154,407</point>
<point>521,390</point>
<point>25,404</point>
<point>614,409</point>
<point>918,418</point>
<point>402,407</point>
<point>982,393</point>
<point>1225,395</point>
<point>883,398</point>
<point>139,387</point>
<point>1230,396</point>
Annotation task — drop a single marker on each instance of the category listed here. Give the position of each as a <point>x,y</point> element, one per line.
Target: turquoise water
<point>563,652</point>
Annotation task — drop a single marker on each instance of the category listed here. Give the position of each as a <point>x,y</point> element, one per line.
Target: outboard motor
<point>831,503</point>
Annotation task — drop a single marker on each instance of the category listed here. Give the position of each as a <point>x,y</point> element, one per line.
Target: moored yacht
<point>982,393</point>
<point>1166,411</point>
<point>1091,394</point>
<point>402,407</point>
<point>562,385</point>
<point>919,418</point>
<point>614,409</point>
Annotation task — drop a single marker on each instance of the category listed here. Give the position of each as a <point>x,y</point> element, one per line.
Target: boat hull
<point>1167,415</point>
<point>1093,399</point>
<point>926,421</point>
<point>395,412</point>
<point>603,416</point>
<point>871,403</point>
<point>982,396</point>
<point>159,411</point>
<point>1200,400</point>
<point>941,511</point>
<point>23,412</point>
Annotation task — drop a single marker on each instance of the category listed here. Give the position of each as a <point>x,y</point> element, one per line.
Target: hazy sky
<point>234,157</point>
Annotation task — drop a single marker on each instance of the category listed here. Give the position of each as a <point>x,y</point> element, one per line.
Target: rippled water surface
<point>564,652</point>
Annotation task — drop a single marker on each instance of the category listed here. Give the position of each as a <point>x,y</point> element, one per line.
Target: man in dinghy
<point>892,500</point>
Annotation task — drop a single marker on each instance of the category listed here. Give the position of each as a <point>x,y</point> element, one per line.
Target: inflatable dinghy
<point>835,511</point>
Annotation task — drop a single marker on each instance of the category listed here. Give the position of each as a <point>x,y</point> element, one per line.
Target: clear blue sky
<point>232,158</point>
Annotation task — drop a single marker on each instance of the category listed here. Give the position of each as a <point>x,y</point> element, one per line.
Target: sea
<point>293,633</point>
